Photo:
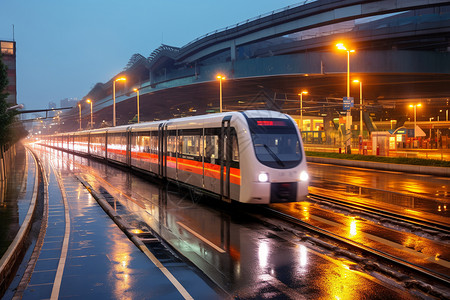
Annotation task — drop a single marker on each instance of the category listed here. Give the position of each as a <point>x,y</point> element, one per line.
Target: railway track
<point>370,259</point>
<point>415,223</point>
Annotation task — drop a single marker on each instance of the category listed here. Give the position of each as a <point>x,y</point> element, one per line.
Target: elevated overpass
<point>402,55</point>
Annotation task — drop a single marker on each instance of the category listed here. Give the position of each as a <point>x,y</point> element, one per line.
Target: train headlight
<point>263,177</point>
<point>304,176</point>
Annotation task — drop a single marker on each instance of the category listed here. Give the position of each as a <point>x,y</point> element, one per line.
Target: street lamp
<point>348,124</point>
<point>431,126</point>
<point>18,106</point>
<point>114,98</point>
<point>301,108</point>
<point>90,101</point>
<point>137,97</point>
<point>361,108</point>
<point>79,106</point>
<point>220,77</point>
<point>415,113</point>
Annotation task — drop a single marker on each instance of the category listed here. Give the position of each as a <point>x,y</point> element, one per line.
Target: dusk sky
<point>65,47</point>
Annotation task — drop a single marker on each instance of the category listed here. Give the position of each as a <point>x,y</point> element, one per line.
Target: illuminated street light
<point>79,106</point>
<point>348,124</point>
<point>220,77</point>
<point>137,97</point>
<point>431,125</point>
<point>360,107</point>
<point>301,108</point>
<point>415,113</point>
<point>90,101</point>
<point>114,98</point>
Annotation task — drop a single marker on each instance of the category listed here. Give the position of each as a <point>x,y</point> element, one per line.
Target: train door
<point>128,149</point>
<point>225,150</point>
<point>162,145</point>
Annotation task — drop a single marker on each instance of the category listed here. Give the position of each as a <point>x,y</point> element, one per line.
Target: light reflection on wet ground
<point>102,263</point>
<point>425,194</point>
<point>242,256</point>
<point>426,251</point>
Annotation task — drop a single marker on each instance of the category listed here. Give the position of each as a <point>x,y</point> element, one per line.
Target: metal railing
<point>247,21</point>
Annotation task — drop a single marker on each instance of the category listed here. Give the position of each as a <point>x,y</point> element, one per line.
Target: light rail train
<point>252,156</point>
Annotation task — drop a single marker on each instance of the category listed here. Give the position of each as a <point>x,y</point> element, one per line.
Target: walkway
<point>85,255</point>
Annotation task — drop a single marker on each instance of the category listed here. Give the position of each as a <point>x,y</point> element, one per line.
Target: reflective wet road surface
<point>85,255</point>
<point>420,195</point>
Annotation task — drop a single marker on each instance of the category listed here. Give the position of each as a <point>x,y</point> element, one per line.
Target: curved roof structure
<point>402,52</point>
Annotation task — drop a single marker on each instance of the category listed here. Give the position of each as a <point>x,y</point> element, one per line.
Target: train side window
<point>144,142</point>
<point>171,145</point>
<point>134,144</point>
<point>235,148</point>
<point>190,145</point>
<point>211,148</point>
<point>154,142</point>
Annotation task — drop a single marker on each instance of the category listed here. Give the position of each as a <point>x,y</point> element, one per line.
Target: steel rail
<point>424,224</point>
<point>425,272</point>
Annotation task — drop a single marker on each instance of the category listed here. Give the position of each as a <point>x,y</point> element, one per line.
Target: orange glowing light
<point>303,92</point>
<point>341,46</point>
<point>121,79</point>
<point>221,77</point>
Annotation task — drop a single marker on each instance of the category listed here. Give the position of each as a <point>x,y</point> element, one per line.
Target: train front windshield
<point>276,142</point>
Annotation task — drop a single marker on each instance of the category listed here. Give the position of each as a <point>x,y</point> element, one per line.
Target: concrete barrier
<point>11,256</point>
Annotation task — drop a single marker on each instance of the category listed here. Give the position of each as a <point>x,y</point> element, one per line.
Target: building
<point>68,102</point>
<point>8,52</point>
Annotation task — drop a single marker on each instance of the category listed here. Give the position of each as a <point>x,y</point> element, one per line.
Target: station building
<point>8,54</point>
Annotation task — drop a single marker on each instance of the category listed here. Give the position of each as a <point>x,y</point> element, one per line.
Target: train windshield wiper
<point>274,156</point>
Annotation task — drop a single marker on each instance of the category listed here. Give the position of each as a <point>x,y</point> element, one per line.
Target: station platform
<point>81,253</point>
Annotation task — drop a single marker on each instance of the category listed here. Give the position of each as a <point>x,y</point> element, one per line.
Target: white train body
<point>251,156</point>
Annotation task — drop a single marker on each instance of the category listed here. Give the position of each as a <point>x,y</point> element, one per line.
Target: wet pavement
<point>15,197</point>
<point>86,256</point>
<point>424,196</point>
<point>244,257</point>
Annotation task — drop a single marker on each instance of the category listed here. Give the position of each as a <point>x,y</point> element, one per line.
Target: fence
<point>7,160</point>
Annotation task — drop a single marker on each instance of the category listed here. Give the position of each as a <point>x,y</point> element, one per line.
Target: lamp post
<point>431,126</point>
<point>301,108</point>
<point>114,98</point>
<point>137,97</point>
<point>90,101</point>
<point>348,124</point>
<point>361,108</point>
<point>220,77</point>
<point>415,113</point>
<point>79,106</point>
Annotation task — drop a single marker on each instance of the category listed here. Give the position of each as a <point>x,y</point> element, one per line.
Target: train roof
<point>193,121</point>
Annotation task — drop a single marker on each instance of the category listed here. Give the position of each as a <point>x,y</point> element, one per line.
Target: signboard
<point>349,102</point>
